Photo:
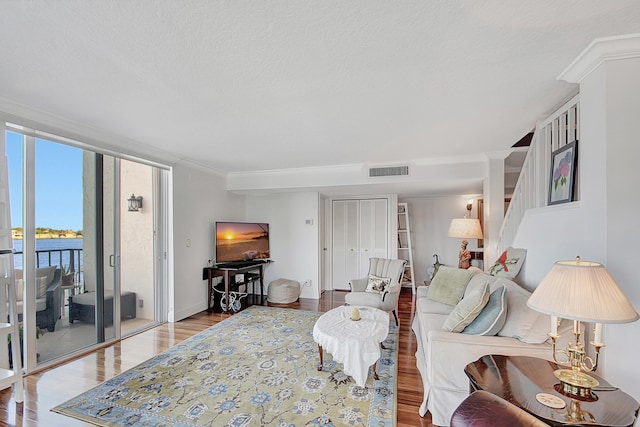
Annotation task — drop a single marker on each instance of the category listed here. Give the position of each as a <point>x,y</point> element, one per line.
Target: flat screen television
<point>241,241</point>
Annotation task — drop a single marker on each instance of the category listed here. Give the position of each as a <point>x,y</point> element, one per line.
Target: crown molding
<point>193,164</point>
<point>44,121</point>
<point>599,51</point>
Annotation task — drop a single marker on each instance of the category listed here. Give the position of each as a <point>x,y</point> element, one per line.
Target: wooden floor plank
<point>49,388</point>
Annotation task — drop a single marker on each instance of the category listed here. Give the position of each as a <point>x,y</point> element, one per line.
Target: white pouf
<point>283,291</point>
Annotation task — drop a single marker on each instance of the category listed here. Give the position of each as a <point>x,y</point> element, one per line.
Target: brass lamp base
<point>576,384</point>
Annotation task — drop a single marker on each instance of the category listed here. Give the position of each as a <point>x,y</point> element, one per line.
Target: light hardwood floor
<point>47,389</point>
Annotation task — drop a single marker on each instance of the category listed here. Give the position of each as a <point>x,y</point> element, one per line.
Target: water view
<point>52,252</point>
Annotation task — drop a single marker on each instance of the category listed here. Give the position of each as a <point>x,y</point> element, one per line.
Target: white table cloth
<point>355,344</point>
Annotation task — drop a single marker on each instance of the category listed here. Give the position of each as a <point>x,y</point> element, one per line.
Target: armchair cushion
<point>377,284</point>
<point>365,299</point>
<point>449,284</point>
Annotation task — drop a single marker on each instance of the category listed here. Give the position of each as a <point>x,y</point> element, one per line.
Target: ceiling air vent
<point>389,171</point>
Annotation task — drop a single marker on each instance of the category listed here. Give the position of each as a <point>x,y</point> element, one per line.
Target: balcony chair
<point>367,292</point>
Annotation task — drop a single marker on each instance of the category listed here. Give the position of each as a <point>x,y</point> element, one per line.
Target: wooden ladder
<point>9,376</point>
<point>405,249</point>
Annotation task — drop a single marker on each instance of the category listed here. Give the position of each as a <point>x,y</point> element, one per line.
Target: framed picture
<point>563,173</point>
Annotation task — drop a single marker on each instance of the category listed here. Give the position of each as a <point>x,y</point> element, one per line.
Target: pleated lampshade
<point>465,228</point>
<point>583,291</point>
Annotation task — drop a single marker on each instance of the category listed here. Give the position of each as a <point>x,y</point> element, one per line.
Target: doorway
<point>71,215</point>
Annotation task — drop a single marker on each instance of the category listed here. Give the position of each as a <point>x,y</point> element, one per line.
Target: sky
<point>58,183</point>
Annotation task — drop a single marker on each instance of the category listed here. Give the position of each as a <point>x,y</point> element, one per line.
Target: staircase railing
<point>532,188</point>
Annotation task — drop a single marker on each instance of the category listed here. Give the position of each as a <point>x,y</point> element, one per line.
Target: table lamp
<point>583,292</point>
<point>465,228</point>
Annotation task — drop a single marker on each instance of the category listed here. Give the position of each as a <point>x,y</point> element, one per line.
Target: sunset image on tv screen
<point>237,241</point>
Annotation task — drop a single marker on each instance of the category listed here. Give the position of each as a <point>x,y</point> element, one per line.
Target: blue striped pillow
<point>492,317</point>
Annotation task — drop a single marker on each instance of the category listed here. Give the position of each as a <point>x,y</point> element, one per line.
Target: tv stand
<point>252,271</point>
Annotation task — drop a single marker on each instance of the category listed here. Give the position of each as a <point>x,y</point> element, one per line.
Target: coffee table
<point>355,344</point>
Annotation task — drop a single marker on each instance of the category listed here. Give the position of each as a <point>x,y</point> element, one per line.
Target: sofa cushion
<point>426,305</point>
<point>41,305</point>
<point>492,317</point>
<point>467,309</point>
<point>523,323</point>
<point>449,284</point>
<point>509,263</point>
<point>376,284</point>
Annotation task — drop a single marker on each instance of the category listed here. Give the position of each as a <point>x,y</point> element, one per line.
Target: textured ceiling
<point>260,85</point>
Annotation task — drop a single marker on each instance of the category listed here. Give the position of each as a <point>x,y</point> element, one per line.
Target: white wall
<point>623,232</point>
<point>429,221</point>
<point>556,233</point>
<point>602,226</point>
<point>199,199</point>
<point>136,236</point>
<point>294,244</point>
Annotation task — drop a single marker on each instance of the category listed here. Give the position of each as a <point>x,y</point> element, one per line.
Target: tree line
<point>45,230</point>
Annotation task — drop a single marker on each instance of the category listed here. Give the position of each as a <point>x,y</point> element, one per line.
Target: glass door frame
<point>162,269</point>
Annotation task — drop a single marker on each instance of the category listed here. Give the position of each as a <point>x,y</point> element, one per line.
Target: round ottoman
<point>283,291</point>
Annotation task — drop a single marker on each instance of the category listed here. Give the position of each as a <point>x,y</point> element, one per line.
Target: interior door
<point>373,232</point>
<point>344,256</point>
<point>360,230</point>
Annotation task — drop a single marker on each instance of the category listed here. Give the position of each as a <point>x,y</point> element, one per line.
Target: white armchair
<point>388,299</point>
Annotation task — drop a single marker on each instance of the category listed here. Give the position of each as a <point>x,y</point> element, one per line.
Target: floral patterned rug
<point>256,368</point>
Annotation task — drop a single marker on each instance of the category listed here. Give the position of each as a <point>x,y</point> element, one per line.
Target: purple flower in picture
<point>561,173</point>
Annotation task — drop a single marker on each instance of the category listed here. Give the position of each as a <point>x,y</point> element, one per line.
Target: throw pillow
<point>449,284</point>
<point>492,317</point>
<point>41,287</point>
<point>44,276</point>
<point>377,284</point>
<point>468,309</point>
<point>509,263</point>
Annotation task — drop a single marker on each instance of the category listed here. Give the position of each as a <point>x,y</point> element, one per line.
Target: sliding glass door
<point>90,255</point>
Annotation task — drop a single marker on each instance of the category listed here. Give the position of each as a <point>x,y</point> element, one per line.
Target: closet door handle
<point>111,260</point>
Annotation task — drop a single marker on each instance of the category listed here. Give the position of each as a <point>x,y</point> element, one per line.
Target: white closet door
<point>360,230</point>
<point>345,219</point>
<point>381,229</point>
<point>373,232</point>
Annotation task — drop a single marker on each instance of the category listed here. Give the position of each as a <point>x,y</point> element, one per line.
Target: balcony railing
<point>71,257</point>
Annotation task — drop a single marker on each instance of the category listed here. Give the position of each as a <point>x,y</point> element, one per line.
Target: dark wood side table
<point>518,379</point>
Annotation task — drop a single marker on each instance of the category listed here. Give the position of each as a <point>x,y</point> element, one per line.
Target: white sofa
<point>442,356</point>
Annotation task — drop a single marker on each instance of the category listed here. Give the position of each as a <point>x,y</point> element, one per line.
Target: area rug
<point>256,368</point>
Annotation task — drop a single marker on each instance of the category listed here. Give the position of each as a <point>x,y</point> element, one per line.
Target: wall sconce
<point>469,206</point>
<point>135,203</point>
